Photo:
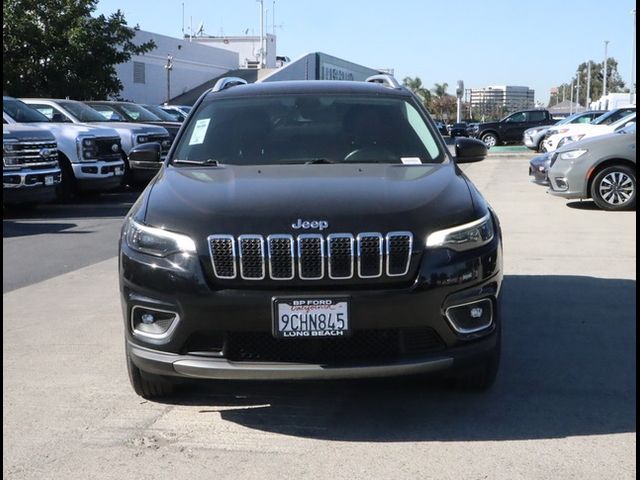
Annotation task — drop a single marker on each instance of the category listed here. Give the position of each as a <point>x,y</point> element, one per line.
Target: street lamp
<point>169,67</point>
<point>604,78</point>
<point>632,87</point>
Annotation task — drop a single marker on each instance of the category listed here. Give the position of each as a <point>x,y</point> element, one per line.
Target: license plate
<point>48,180</point>
<point>310,317</point>
<point>118,171</point>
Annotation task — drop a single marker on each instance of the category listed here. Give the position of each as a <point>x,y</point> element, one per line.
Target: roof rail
<point>228,82</point>
<point>384,79</point>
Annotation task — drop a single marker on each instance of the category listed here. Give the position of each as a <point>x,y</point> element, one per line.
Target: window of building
<point>138,72</point>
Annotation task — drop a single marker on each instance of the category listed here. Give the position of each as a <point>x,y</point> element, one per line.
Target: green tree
<point>440,89</point>
<point>415,85</point>
<point>55,48</point>
<point>615,84</point>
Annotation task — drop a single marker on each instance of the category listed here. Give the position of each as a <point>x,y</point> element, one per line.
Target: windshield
<point>161,114</point>
<point>283,129</point>
<point>21,112</point>
<point>612,116</point>
<point>82,112</point>
<point>137,113</point>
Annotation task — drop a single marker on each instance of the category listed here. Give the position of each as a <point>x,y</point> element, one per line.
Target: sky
<point>538,43</point>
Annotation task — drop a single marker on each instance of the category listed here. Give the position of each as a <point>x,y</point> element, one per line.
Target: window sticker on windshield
<point>199,132</point>
<point>411,160</point>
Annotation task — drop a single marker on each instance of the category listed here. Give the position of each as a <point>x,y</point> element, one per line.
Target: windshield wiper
<point>210,162</point>
<point>318,161</point>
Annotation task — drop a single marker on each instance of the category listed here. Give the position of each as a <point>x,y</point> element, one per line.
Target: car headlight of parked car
<point>569,139</point>
<point>572,154</point>
<point>156,241</point>
<point>86,148</point>
<point>463,237</point>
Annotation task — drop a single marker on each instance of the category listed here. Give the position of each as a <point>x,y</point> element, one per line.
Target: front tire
<point>148,385</point>
<point>614,188</point>
<point>490,139</point>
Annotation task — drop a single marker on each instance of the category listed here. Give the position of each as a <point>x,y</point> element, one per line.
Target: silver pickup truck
<point>30,171</point>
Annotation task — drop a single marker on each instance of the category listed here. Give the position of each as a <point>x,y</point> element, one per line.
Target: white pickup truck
<point>131,134</point>
<point>30,171</point>
<point>90,157</point>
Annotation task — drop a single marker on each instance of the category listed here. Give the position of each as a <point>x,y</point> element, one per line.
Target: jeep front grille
<point>311,256</point>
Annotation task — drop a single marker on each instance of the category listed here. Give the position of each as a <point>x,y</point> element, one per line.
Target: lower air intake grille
<point>362,346</point>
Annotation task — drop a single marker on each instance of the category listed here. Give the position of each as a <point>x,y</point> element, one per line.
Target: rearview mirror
<point>470,150</point>
<point>146,152</point>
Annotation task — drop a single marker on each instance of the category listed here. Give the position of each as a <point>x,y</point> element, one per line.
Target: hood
<point>577,128</point>
<point>530,131</point>
<point>130,127</point>
<point>26,133</point>
<point>72,130</point>
<point>605,140</point>
<point>269,199</point>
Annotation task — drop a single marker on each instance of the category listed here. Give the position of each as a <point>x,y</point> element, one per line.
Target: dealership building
<point>500,99</point>
<point>180,70</point>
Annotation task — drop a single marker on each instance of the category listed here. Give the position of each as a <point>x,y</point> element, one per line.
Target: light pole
<point>578,93</point>
<point>588,96</point>
<point>604,77</point>
<point>632,87</point>
<point>262,63</point>
<point>571,99</point>
<point>169,67</point>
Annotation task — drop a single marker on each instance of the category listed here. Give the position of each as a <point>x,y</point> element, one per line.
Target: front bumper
<point>206,310</point>
<point>30,186</point>
<point>99,175</point>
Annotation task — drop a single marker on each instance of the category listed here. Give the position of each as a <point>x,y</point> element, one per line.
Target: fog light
<point>471,317</point>
<point>562,184</point>
<point>152,322</point>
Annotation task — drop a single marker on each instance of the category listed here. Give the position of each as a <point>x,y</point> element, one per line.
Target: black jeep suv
<point>306,230</point>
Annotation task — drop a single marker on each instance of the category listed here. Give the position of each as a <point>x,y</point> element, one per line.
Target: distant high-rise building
<point>500,100</point>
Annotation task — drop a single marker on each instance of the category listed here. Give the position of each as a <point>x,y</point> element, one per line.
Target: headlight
<point>156,241</point>
<point>86,148</point>
<point>572,155</point>
<point>142,139</point>
<point>572,138</point>
<point>463,237</point>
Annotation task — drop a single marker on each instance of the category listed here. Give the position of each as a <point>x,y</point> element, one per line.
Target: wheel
<point>542,148</point>
<point>67,188</point>
<point>614,188</point>
<point>490,139</point>
<point>148,385</point>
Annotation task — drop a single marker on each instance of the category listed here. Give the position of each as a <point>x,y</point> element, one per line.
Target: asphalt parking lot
<point>563,405</point>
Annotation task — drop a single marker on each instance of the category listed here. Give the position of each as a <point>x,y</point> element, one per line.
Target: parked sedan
<point>538,169</point>
<point>607,123</point>
<point>534,137</point>
<point>602,168</point>
<point>459,130</point>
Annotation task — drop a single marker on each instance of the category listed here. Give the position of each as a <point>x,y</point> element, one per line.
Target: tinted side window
<point>517,118</point>
<point>537,116</point>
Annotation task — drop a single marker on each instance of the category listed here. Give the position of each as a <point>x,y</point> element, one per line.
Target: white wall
<point>247,47</point>
<point>193,64</point>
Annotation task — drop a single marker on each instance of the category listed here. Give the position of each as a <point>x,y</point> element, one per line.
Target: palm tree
<point>440,89</point>
<point>415,85</point>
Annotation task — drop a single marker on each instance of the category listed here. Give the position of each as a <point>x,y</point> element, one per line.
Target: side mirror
<point>470,150</point>
<point>146,152</point>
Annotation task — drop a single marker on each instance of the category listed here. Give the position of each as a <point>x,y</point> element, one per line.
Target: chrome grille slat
<point>310,256</point>
<point>251,253</point>
<point>281,252</point>
<point>399,246</point>
<point>370,255</point>
<point>338,256</point>
<point>222,250</point>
